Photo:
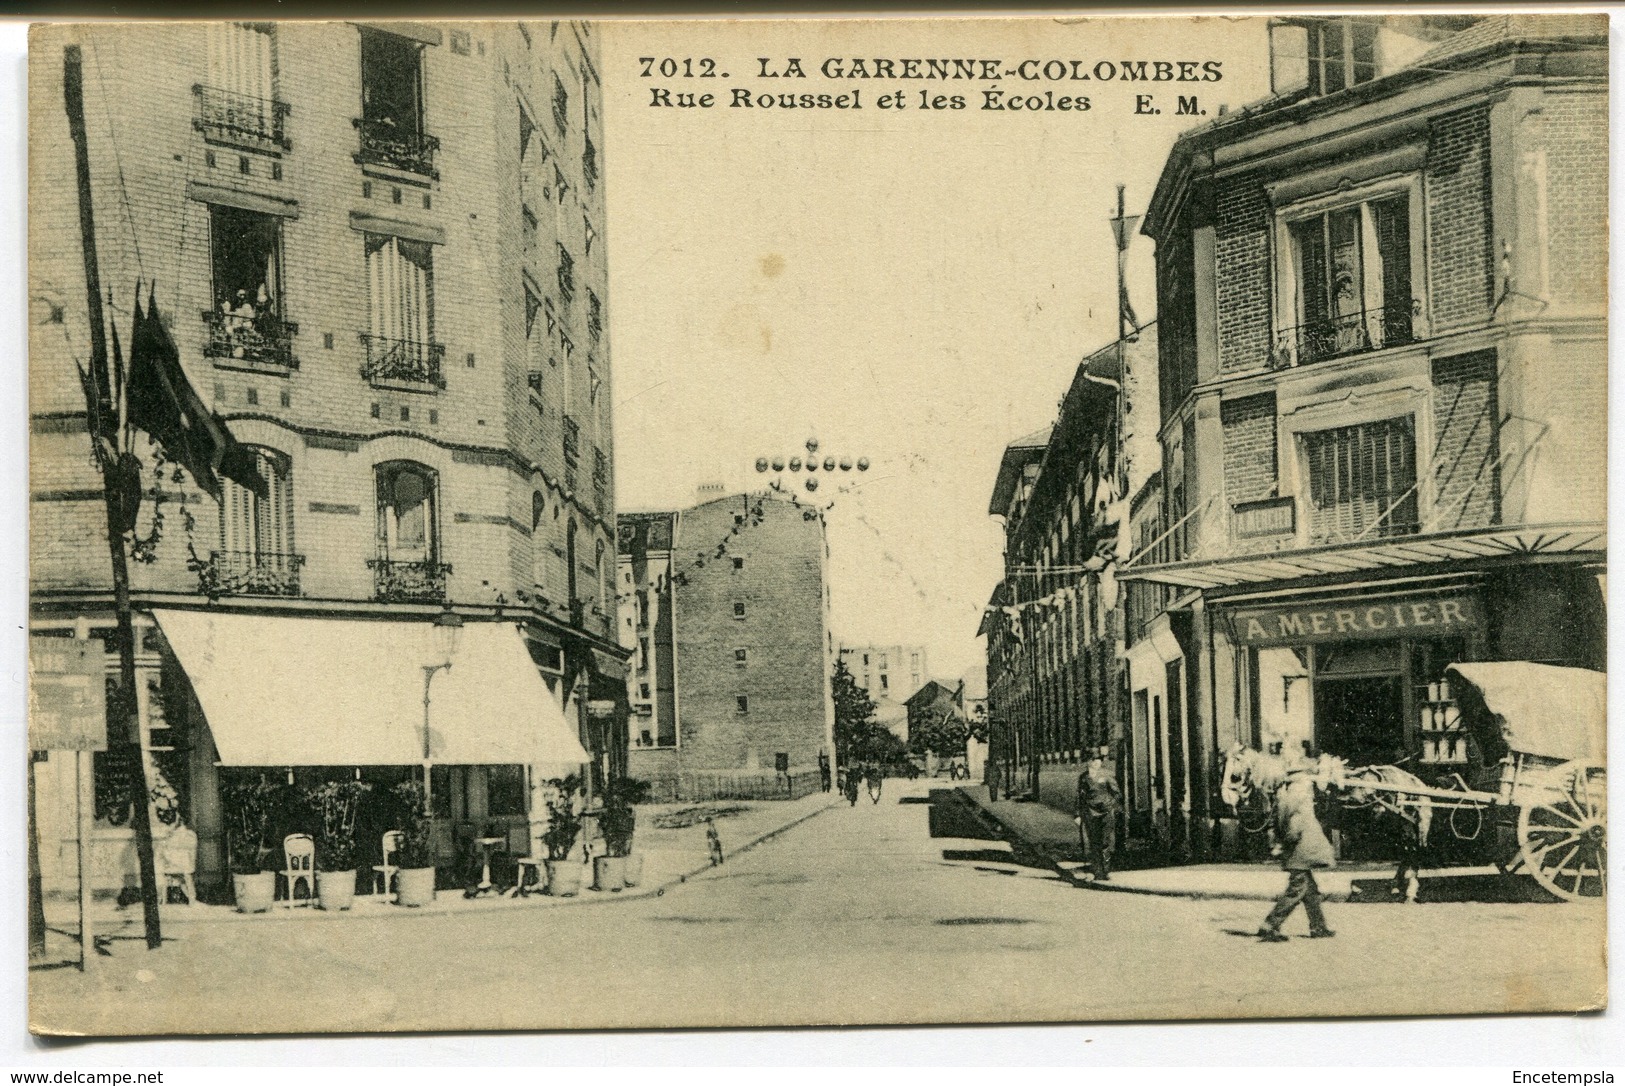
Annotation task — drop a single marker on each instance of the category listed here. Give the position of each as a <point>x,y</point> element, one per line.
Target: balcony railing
<point>1352,333</point>
<point>384,144</point>
<point>240,119</point>
<point>264,339</point>
<point>408,582</point>
<point>404,361</point>
<point>250,573</point>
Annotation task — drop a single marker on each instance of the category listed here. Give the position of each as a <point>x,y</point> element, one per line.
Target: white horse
<point>1250,774</point>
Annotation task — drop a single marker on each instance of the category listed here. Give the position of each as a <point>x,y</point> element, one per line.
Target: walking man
<point>1099,800</point>
<point>849,785</point>
<point>1304,848</point>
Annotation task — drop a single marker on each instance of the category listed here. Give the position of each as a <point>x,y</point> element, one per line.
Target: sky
<point>915,286</point>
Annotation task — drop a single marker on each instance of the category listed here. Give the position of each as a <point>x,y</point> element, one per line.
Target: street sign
<point>67,694</point>
<point>601,708</point>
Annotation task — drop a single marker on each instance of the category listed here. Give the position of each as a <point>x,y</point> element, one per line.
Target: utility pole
<point>99,405</point>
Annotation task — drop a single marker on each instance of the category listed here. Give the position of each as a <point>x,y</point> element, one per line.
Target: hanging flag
<point>1124,226</point>
<point>162,402</point>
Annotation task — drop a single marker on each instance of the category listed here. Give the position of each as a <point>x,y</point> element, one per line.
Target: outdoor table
<point>486,845</point>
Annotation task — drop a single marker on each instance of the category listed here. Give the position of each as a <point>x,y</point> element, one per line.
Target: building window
<point>538,506</point>
<point>245,321</point>
<point>739,563</point>
<point>885,681</point>
<point>643,691</point>
<point>408,568</point>
<point>391,122</point>
<point>739,610</point>
<point>566,275</point>
<point>600,479</point>
<point>561,105</point>
<point>1352,268</point>
<point>1362,480</point>
<point>1321,56</point>
<point>741,703</point>
<point>256,555</point>
<point>741,657</point>
<point>572,451</point>
<point>240,105</point>
<point>595,316</point>
<point>400,292</point>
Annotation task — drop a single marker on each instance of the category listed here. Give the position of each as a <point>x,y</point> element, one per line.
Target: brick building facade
<point>1390,401</point>
<point>379,249</point>
<point>743,663</point>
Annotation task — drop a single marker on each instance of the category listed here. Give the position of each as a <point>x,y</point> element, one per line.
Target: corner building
<point>380,251</point>
<point>1381,297</point>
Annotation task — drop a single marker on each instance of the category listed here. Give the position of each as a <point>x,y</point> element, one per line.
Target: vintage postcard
<point>652,524</point>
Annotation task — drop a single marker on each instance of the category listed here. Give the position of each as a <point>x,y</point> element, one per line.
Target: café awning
<point>1363,556</point>
<point>287,691</point>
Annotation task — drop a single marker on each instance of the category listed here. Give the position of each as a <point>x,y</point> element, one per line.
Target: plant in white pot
<point>246,804</point>
<point>618,866</point>
<point>563,827</point>
<point>336,805</point>
<point>414,881</point>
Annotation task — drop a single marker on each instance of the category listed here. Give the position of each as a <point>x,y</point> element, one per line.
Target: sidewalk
<point>1047,834</point>
<point>671,855</point>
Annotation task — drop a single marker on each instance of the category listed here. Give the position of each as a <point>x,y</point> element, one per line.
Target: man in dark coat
<point>1098,803</point>
<point>1304,848</point>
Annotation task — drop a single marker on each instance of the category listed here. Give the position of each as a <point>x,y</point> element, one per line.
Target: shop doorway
<point>1360,718</point>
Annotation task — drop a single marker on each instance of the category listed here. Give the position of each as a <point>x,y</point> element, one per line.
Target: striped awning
<point>1363,556</point>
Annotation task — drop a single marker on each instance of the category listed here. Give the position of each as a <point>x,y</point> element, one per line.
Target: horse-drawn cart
<point>1531,737</point>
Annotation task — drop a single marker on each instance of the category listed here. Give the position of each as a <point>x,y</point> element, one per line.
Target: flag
<point>162,401</point>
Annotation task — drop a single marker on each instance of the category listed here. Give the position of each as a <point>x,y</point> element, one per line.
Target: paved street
<point>901,912</point>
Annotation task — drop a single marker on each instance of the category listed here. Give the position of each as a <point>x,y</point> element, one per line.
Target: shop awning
<point>286,691</point>
<point>1374,554</point>
<point>1550,712</point>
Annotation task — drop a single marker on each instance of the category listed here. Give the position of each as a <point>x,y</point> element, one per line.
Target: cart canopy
<point>1541,710</point>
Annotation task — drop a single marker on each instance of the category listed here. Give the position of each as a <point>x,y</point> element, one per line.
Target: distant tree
<point>939,730</point>
<point>854,714</point>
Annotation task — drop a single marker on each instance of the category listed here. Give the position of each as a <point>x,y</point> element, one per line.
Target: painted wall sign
<point>67,695</point>
<point>1347,620</point>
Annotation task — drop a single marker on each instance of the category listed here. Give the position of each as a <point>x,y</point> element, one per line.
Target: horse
<point>1249,775</point>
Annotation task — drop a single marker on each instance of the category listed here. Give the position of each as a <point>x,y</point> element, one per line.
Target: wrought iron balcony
<point>408,582</point>
<point>264,340</point>
<point>240,119</point>
<point>383,143</point>
<point>404,361</point>
<point>250,573</point>
<point>1351,333</point>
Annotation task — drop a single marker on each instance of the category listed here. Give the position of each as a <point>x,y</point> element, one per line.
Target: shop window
<point>1362,481</point>
<point>1353,279</point>
<point>245,320</point>
<point>505,790</point>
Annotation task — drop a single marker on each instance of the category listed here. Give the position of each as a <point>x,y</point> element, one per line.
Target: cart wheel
<point>1562,831</point>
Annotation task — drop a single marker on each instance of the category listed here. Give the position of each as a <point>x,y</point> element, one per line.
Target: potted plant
<point>618,867</point>
<point>336,804</point>
<point>246,803</point>
<point>563,827</point>
<point>415,879</point>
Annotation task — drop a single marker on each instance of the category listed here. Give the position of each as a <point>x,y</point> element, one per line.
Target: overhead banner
<point>1356,620</point>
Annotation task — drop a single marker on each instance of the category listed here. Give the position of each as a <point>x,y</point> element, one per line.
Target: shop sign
<point>67,695</point>
<point>601,709</point>
<point>1352,620</point>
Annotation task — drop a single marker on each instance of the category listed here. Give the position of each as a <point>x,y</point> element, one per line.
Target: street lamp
<point>811,464</point>
<point>448,630</point>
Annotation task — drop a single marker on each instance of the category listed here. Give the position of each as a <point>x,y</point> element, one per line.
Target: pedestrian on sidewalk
<point>849,785</point>
<point>1099,800</point>
<point>876,779</point>
<point>1304,848</point>
<point>823,770</point>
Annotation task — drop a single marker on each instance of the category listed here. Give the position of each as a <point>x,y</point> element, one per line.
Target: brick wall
<point>1466,482</point>
<point>782,631</point>
<point>1457,186</point>
<point>1249,446</point>
<point>1242,255</point>
<point>493,442</point>
<point>1574,129</point>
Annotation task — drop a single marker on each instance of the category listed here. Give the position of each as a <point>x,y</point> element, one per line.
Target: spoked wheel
<point>1563,831</point>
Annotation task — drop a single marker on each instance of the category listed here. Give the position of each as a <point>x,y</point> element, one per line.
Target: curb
<point>741,849</point>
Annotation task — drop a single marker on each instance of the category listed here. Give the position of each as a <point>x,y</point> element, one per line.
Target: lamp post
<point>448,629</point>
<point>811,464</point>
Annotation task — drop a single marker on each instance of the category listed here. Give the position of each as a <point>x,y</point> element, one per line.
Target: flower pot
<point>414,886</point>
<point>563,878</point>
<point>254,893</point>
<point>335,890</point>
<point>608,872</point>
<point>632,871</point>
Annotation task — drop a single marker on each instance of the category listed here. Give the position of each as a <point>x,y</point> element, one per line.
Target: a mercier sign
<point>1345,620</point>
